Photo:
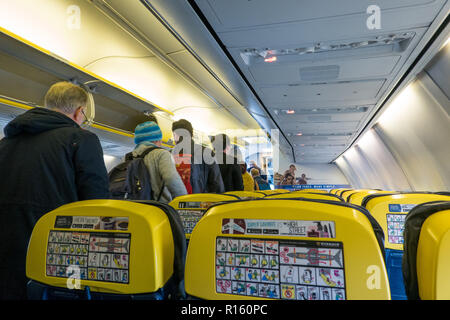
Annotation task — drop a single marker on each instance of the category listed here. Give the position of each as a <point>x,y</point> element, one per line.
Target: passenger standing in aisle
<point>229,167</point>
<point>46,160</point>
<point>164,178</point>
<point>198,176</point>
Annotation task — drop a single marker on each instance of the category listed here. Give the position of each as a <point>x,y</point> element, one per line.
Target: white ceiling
<point>348,70</point>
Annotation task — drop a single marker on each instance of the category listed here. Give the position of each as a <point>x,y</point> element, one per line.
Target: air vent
<point>321,73</point>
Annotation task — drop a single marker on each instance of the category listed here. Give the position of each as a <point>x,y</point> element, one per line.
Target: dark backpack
<point>130,179</point>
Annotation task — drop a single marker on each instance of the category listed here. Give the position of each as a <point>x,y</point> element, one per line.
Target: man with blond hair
<point>46,160</point>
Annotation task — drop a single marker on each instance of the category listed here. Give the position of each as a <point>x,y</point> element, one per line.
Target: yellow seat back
<point>341,192</point>
<point>433,257</point>
<point>119,247</point>
<point>246,195</point>
<point>192,207</point>
<point>306,195</point>
<point>390,211</point>
<point>269,192</point>
<point>357,197</point>
<point>346,193</point>
<point>312,190</point>
<point>281,190</point>
<point>285,249</point>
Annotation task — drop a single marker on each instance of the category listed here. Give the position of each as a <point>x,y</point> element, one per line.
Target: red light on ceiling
<point>271,59</point>
<point>290,111</point>
<point>299,134</point>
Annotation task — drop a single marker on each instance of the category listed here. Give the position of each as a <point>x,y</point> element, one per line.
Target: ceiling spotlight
<point>299,134</point>
<point>290,111</point>
<point>271,59</point>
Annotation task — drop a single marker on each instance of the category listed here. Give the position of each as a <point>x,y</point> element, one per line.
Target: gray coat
<point>161,168</point>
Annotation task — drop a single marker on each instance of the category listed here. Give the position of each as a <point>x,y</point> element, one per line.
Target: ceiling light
<point>271,59</point>
<point>290,111</point>
<point>299,134</point>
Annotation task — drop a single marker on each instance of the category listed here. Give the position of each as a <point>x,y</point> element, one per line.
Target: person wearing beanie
<point>164,177</point>
<point>197,175</point>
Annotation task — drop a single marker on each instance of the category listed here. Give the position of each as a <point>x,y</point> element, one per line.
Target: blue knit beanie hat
<point>147,131</point>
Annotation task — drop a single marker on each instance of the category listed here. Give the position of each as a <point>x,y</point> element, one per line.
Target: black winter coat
<point>231,172</point>
<point>46,160</point>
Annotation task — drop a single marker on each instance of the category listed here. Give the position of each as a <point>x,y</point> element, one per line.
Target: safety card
<point>191,212</point>
<point>190,219</point>
<point>396,221</point>
<point>99,256</point>
<point>280,269</point>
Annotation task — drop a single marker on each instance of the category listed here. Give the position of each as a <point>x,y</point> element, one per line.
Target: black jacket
<point>231,172</point>
<point>46,160</point>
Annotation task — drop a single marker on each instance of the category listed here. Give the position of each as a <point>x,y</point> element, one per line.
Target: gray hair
<point>66,97</point>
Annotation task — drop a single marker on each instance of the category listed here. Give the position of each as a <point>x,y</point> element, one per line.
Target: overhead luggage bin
<point>306,195</point>
<point>192,207</point>
<point>390,210</point>
<point>315,249</point>
<point>107,249</point>
<point>426,260</point>
<point>246,195</point>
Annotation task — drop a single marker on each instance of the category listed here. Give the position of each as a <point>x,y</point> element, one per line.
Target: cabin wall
<point>408,148</point>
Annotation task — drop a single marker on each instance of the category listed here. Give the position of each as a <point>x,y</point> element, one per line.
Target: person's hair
<point>254,172</point>
<point>220,147</point>
<point>151,117</point>
<point>65,97</point>
<point>287,176</point>
<point>183,124</point>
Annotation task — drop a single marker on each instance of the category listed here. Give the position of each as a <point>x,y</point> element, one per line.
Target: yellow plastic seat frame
<point>103,238</point>
<point>390,211</point>
<point>357,197</point>
<point>246,195</point>
<point>306,195</point>
<point>243,258</point>
<point>433,257</point>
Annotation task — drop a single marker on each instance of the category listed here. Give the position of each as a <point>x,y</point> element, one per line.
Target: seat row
<point>273,244</point>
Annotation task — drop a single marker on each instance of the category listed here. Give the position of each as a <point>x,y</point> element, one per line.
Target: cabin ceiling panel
<point>267,12</point>
<point>320,71</point>
<point>347,93</point>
